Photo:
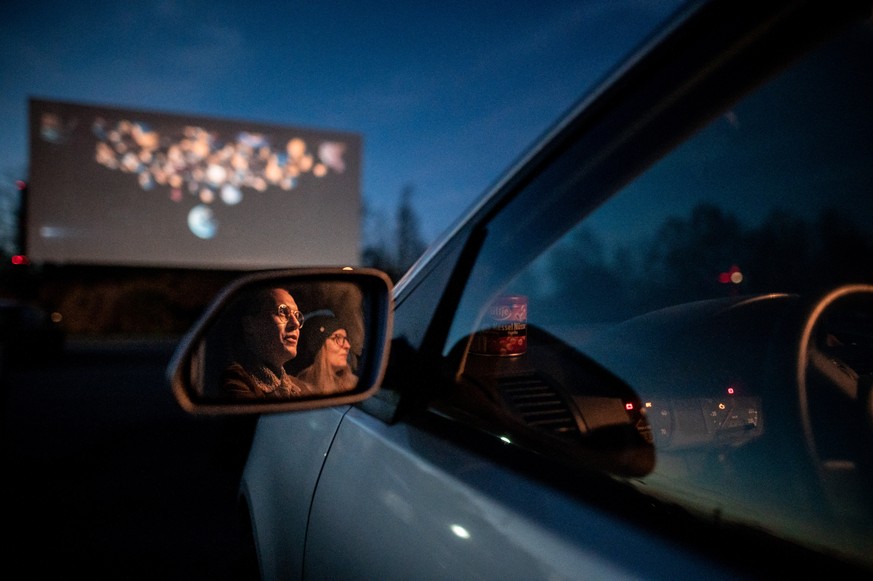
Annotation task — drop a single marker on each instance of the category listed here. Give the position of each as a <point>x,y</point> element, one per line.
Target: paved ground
<point>106,477</point>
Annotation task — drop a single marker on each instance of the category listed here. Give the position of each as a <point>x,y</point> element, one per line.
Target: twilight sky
<point>445,95</point>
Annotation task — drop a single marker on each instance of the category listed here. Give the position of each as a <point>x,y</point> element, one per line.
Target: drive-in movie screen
<point>123,187</point>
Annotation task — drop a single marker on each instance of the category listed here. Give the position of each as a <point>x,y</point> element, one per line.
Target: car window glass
<point>689,285</point>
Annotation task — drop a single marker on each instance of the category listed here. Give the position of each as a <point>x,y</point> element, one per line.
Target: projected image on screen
<point>125,187</point>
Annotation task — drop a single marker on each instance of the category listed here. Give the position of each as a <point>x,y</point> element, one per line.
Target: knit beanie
<point>316,329</point>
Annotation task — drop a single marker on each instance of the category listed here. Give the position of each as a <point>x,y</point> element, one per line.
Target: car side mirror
<point>287,340</point>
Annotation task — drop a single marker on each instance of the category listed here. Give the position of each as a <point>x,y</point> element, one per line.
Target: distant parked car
<point>646,353</point>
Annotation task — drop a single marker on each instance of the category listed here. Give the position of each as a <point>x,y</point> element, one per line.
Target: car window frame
<point>662,97</point>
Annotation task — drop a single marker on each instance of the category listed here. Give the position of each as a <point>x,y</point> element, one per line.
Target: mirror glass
<point>288,339</point>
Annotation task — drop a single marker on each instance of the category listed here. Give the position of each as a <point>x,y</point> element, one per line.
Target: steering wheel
<point>834,371</point>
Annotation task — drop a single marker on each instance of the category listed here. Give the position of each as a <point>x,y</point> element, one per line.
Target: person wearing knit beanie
<point>324,350</point>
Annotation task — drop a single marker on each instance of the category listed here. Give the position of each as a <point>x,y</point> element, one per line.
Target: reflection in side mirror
<point>281,341</point>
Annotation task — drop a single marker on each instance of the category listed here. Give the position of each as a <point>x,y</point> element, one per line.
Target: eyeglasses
<point>285,314</point>
<point>340,339</point>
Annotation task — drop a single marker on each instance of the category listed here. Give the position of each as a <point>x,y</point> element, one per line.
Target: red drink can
<point>505,328</point>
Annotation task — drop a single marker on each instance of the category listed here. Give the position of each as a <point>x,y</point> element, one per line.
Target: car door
<point>407,502</point>
<point>447,474</point>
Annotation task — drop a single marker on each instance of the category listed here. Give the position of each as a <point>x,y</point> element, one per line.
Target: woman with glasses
<point>265,338</point>
<point>324,350</point>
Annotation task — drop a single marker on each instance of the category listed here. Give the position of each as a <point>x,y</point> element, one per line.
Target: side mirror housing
<point>249,352</point>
